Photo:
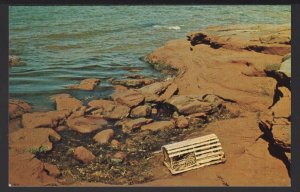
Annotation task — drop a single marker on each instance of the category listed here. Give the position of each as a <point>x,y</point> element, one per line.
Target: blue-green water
<point>62,45</point>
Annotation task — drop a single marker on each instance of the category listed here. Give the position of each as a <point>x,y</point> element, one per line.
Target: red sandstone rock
<point>86,84</point>
<point>26,170</point>
<point>205,69</point>
<point>109,109</point>
<point>169,92</point>
<point>66,102</point>
<point>188,105</point>
<point>158,125</point>
<point>17,108</point>
<point>131,98</point>
<point>44,119</point>
<point>83,155</point>
<point>130,124</point>
<point>104,136</point>
<point>182,122</point>
<point>151,92</point>
<point>140,111</point>
<point>120,88</point>
<point>32,140</point>
<point>52,170</point>
<point>85,124</point>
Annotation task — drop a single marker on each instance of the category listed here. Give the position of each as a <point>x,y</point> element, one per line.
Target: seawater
<point>62,45</point>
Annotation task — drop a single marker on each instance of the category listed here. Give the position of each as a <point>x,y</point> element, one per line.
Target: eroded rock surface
<point>217,61</point>
<point>260,38</point>
<point>276,123</point>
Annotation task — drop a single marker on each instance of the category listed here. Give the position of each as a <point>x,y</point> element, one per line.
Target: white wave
<point>175,27</point>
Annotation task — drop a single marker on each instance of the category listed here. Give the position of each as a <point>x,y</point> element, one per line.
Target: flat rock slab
<point>104,136</point>
<point>188,105</point>
<point>17,108</point>
<point>86,125</point>
<point>130,98</point>
<point>158,125</point>
<point>109,109</point>
<point>84,155</point>
<point>44,119</point>
<point>128,125</point>
<point>66,102</point>
<point>86,84</point>
<point>32,140</point>
<point>265,38</point>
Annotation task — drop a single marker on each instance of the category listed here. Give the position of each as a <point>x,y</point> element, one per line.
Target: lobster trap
<point>193,153</point>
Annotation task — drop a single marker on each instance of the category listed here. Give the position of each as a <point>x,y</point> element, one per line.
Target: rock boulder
<point>86,84</point>
<point>85,124</point>
<point>188,105</point>
<point>104,136</point>
<point>130,98</point>
<point>84,155</point>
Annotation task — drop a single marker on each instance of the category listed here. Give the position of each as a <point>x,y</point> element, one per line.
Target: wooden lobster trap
<point>193,153</point>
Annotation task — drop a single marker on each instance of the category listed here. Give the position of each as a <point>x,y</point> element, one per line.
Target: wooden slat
<point>209,159</point>
<point>189,141</point>
<point>193,145</point>
<point>220,153</point>
<point>212,162</point>
<point>207,151</point>
<point>196,166</point>
<point>195,149</point>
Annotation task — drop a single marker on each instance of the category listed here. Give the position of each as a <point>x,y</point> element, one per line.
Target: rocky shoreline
<point>227,80</point>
